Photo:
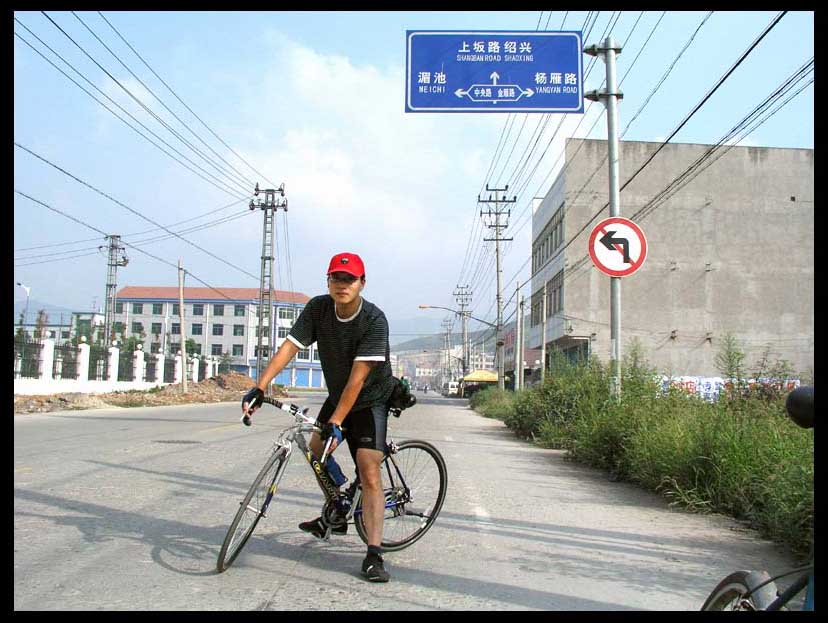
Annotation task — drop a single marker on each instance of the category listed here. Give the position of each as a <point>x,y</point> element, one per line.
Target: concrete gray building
<point>732,251</point>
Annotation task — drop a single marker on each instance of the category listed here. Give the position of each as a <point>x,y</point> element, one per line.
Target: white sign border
<point>577,109</point>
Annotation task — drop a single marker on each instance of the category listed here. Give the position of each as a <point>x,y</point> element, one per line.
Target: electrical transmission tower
<point>497,225</point>
<point>116,258</point>
<point>266,289</point>
<point>463,297</point>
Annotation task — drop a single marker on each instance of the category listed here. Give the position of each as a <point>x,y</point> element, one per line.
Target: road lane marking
<point>20,470</point>
<point>218,428</point>
<point>449,438</point>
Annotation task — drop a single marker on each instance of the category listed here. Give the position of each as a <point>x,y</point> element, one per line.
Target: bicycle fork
<point>274,486</point>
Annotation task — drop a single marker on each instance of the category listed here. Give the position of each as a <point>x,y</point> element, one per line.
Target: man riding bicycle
<point>351,336</point>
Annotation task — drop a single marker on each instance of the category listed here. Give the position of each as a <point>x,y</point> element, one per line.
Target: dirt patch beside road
<point>221,388</point>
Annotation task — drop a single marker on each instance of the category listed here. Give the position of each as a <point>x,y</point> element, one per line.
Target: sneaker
<point>373,570</point>
<point>317,529</point>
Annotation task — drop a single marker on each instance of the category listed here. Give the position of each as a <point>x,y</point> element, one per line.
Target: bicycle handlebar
<point>299,414</point>
<point>295,410</point>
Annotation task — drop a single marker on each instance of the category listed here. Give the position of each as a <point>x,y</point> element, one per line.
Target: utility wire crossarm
<point>459,313</point>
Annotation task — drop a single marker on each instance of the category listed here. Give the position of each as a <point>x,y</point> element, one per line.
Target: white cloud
<point>362,174</point>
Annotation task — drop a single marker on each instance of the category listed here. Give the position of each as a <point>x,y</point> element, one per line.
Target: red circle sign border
<point>642,238</point>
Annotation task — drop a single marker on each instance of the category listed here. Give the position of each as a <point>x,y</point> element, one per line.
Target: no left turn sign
<point>617,246</point>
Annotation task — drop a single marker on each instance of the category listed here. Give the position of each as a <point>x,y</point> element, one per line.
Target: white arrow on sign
<point>495,77</point>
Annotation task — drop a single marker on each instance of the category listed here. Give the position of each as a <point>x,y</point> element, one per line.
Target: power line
<point>126,207</point>
<point>134,98</point>
<point>610,24</point>
<point>661,146</point>
<point>185,105</point>
<point>87,225</point>
<point>215,182</point>
<point>243,181</point>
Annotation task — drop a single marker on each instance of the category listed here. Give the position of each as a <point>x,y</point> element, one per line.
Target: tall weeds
<point>741,456</point>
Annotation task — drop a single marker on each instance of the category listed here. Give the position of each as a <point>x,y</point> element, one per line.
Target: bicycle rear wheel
<point>415,480</point>
<point>730,592</point>
<point>252,509</point>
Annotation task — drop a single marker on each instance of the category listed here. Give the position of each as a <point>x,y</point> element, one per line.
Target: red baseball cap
<point>349,263</point>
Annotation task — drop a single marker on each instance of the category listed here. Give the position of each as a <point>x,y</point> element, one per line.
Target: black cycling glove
<point>253,400</point>
<point>331,430</point>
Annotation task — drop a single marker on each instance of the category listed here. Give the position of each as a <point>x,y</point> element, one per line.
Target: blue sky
<point>315,100</point>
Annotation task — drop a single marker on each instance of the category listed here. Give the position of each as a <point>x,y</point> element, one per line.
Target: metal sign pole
<point>610,50</point>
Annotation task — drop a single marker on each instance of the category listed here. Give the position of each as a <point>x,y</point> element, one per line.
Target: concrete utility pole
<point>446,364</point>
<point>463,297</point>
<point>609,50</point>
<point>497,226</point>
<point>268,206</point>
<point>518,340</point>
<point>182,343</point>
<point>543,334</point>
<point>520,344</point>
<point>116,258</point>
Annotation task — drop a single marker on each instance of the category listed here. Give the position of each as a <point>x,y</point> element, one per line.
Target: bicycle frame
<point>296,435</point>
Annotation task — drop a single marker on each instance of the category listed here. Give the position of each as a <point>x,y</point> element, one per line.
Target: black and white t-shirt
<point>341,341</point>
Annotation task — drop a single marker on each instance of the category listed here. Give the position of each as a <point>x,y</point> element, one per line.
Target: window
<point>198,309</point>
<point>265,351</point>
<point>315,355</point>
<point>64,335</point>
<point>286,313</point>
<point>283,331</point>
<point>304,355</point>
<point>137,327</point>
<point>176,328</point>
<point>157,309</point>
<point>218,329</point>
<point>238,310</point>
<point>155,348</point>
<point>238,329</point>
<point>215,349</point>
<point>119,308</point>
<point>137,308</point>
<point>238,350</point>
<point>156,328</point>
<point>197,349</point>
<point>175,311</point>
<point>218,310</point>
<point>118,327</point>
<point>196,329</point>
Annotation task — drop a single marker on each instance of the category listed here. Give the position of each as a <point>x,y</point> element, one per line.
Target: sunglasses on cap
<point>340,277</point>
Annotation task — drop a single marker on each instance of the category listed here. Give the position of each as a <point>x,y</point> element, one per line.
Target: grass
<point>741,456</point>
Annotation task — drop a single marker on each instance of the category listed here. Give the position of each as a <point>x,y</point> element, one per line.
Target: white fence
<point>51,380</point>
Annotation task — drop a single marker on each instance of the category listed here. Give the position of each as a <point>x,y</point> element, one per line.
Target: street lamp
<point>23,326</point>
<point>500,380</point>
<point>26,309</point>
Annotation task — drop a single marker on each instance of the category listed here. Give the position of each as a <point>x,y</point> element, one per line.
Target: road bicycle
<point>757,590</point>
<point>414,479</point>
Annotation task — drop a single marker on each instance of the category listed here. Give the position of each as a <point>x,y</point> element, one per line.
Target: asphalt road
<point>126,509</point>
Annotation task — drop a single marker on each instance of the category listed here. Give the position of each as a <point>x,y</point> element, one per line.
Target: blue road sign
<point>494,71</point>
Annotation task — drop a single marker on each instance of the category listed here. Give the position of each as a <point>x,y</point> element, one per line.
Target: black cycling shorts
<point>364,428</point>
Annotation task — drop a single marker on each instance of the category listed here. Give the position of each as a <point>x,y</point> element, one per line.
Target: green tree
<point>730,360</point>
<point>130,344</point>
<point>40,324</point>
<point>224,363</point>
<point>19,333</point>
<point>191,346</point>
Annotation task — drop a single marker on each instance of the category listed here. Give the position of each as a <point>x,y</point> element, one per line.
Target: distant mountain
<point>53,311</point>
<point>436,342</point>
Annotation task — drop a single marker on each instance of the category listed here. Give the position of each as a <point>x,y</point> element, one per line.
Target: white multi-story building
<point>219,324</point>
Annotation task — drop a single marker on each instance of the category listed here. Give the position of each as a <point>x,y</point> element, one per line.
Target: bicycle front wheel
<point>730,593</point>
<point>252,509</point>
<point>414,480</point>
